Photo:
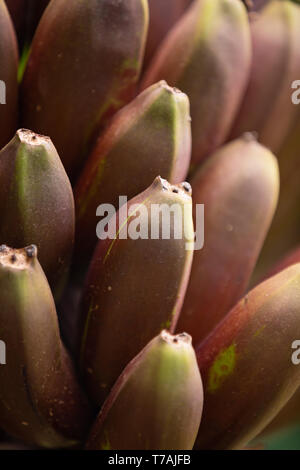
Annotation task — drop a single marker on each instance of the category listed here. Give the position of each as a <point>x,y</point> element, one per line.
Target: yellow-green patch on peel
<point>246,363</point>
<point>222,367</point>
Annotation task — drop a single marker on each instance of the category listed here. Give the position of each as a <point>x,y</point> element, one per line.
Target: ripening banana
<point>41,402</point>
<point>267,107</point>
<point>136,281</point>
<point>150,136</point>
<point>37,204</point>
<point>207,55</point>
<point>238,186</point>
<point>246,363</point>
<point>83,66</point>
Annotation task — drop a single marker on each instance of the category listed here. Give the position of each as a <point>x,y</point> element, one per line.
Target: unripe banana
<point>135,286</point>
<point>148,137</point>
<point>40,400</point>
<point>267,106</point>
<point>207,55</point>
<point>238,186</point>
<point>84,64</point>
<point>8,76</point>
<point>162,15</point>
<point>246,363</point>
<point>157,401</point>
<point>36,203</point>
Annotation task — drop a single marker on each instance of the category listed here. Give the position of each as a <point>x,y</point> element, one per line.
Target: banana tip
<point>17,258</point>
<point>180,339</point>
<point>183,189</point>
<point>29,137</point>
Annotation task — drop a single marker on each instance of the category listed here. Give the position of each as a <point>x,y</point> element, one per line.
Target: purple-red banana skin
<point>150,136</point>
<point>134,288</point>
<point>84,64</point>
<point>40,399</point>
<point>36,203</point>
<point>162,16</point>
<point>246,363</point>
<point>267,106</point>
<point>157,401</point>
<point>238,186</point>
<point>207,55</point>
<point>8,76</point>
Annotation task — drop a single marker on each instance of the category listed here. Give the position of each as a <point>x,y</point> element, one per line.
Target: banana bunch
<point>113,334</point>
